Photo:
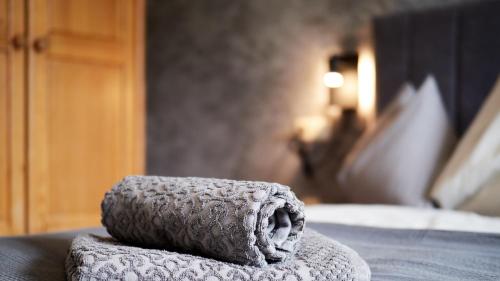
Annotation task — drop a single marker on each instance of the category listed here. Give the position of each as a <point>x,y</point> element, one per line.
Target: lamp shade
<point>343,80</point>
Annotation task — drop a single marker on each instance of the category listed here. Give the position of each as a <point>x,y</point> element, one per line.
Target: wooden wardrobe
<point>71,109</point>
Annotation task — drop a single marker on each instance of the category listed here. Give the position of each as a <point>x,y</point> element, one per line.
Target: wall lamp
<point>342,79</point>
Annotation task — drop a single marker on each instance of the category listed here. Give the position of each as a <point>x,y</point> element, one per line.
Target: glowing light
<point>366,84</point>
<point>333,80</point>
<point>333,111</point>
<point>347,95</point>
<point>311,127</point>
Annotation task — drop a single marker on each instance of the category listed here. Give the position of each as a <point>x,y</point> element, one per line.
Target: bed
<point>398,243</point>
<point>392,254</point>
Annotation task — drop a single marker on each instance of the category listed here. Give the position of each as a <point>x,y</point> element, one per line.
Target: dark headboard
<point>459,45</point>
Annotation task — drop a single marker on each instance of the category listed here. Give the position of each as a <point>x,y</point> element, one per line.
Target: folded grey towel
<point>317,258</point>
<point>245,222</point>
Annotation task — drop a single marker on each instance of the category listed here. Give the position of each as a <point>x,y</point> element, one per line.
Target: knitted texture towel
<point>317,258</point>
<point>244,222</point>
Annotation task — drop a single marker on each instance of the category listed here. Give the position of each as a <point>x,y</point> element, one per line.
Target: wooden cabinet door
<point>12,117</point>
<point>85,107</point>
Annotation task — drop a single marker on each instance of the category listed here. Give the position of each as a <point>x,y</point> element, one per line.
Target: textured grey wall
<point>226,79</point>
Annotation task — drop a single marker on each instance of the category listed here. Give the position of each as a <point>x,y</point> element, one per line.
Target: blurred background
<point>230,82</point>
<point>91,91</point>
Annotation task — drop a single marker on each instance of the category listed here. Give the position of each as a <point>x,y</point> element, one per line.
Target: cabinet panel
<point>12,119</point>
<point>4,143</point>
<point>85,130</point>
<point>4,120</point>
<point>86,18</point>
<point>85,108</point>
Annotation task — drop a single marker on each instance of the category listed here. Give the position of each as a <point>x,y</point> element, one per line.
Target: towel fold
<point>104,258</point>
<point>244,222</point>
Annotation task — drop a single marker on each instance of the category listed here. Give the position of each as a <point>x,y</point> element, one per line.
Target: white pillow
<point>388,116</point>
<point>398,164</point>
<point>486,201</point>
<point>475,163</point>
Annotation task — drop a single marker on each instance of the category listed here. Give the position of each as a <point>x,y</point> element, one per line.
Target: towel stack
<point>207,229</point>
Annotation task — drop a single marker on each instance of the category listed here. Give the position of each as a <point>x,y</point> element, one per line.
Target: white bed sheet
<point>389,216</point>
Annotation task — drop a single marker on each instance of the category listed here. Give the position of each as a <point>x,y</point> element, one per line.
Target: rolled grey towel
<point>317,258</point>
<point>244,222</point>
